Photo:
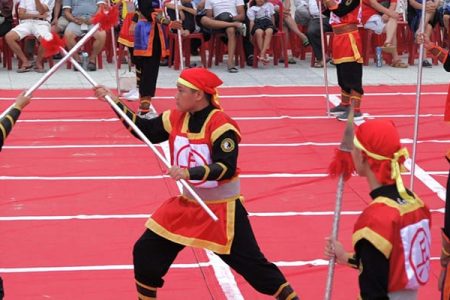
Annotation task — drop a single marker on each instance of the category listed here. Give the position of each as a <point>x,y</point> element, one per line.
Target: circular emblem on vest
<point>227,145</point>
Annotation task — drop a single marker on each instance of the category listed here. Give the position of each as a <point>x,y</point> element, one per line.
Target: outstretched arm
<point>7,122</point>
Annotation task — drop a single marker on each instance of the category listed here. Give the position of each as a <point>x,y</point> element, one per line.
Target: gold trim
<point>382,244</point>
<point>166,121</point>
<point>291,296</point>
<point>10,120</point>
<point>221,130</point>
<point>404,208</point>
<point>187,84</point>
<point>215,201</point>
<point>207,171</point>
<point>223,172</point>
<point>2,128</point>
<point>201,134</point>
<point>280,289</point>
<point>151,288</point>
<point>142,297</point>
<point>199,243</point>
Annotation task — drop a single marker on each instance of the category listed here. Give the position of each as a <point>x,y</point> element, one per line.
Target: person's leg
<point>315,38</point>
<point>231,35</point>
<point>351,73</point>
<point>41,30</point>
<point>70,34</point>
<point>12,39</point>
<point>344,105</point>
<point>148,68</point>
<point>266,42</point>
<point>247,259</point>
<point>259,39</point>
<point>99,43</point>
<point>152,257</point>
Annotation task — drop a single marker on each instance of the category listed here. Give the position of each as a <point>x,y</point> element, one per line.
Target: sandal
<point>24,69</point>
<point>318,64</point>
<point>398,64</point>
<point>233,70</point>
<point>388,48</point>
<point>39,70</point>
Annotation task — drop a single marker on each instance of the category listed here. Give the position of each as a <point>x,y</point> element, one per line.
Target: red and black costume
<point>7,123</point>
<point>205,143</point>
<point>150,44</point>
<point>391,237</point>
<point>345,15</point>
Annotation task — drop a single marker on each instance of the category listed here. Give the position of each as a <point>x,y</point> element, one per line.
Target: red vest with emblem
<point>401,231</point>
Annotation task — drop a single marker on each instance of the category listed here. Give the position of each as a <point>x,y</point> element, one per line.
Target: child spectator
<point>262,21</point>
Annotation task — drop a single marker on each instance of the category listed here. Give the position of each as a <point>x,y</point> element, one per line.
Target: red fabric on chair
<point>174,57</point>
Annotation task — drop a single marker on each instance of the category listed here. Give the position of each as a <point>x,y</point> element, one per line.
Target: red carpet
<point>76,189</point>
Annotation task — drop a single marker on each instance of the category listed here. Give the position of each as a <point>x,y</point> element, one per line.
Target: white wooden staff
<point>418,92</point>
<point>324,59</point>
<point>180,39</point>
<point>344,160</point>
<point>143,137</point>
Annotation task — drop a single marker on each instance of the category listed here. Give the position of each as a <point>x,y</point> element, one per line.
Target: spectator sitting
<point>379,19</point>
<point>414,14</point>
<point>187,11</point>
<point>59,21</point>
<point>79,13</point>
<point>444,14</point>
<point>6,19</point>
<point>307,14</point>
<point>261,16</point>
<point>226,16</point>
<point>34,16</point>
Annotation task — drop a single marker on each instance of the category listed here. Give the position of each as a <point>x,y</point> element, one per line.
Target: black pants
<point>5,27</point>
<point>153,256</point>
<point>147,69</point>
<point>313,34</point>
<point>349,77</point>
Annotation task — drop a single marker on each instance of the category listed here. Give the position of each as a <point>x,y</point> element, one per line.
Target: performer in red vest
<point>203,142</point>
<point>391,238</point>
<point>347,48</point>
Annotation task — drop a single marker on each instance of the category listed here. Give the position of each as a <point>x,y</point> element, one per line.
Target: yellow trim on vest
<point>199,243</point>
<point>201,134</point>
<point>10,119</point>
<point>166,121</point>
<point>383,245</point>
<point>221,130</point>
<point>403,208</point>
<point>142,297</point>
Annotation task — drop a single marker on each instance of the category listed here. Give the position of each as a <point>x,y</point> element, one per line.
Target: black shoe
<point>57,56</point>
<point>426,64</point>
<point>164,62</point>
<point>344,116</point>
<point>91,66</point>
<point>250,60</point>
<point>337,110</point>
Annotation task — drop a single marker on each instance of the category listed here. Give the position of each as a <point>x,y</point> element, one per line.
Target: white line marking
<point>146,215</point>
<point>298,263</point>
<point>429,181</point>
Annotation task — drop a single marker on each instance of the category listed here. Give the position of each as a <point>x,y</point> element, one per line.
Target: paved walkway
<point>295,75</point>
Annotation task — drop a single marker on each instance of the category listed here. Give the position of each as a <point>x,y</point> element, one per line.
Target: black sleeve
<point>7,123</point>
<point>374,276</point>
<point>146,9</point>
<point>153,129</point>
<point>224,157</point>
<point>447,63</point>
<point>447,205</point>
<point>345,7</point>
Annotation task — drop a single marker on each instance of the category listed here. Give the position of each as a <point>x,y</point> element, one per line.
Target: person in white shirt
<point>307,14</point>
<point>227,16</point>
<point>262,26</point>
<point>34,18</point>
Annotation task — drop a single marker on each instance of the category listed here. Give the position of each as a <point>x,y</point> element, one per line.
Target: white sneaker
<point>132,95</point>
<point>151,114</point>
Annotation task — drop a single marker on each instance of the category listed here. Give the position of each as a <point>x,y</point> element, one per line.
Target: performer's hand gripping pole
<point>324,58</point>
<point>342,166</point>
<point>143,137</point>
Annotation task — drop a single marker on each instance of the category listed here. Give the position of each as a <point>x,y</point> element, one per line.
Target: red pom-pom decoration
<point>107,18</point>
<point>53,45</point>
<point>342,164</point>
